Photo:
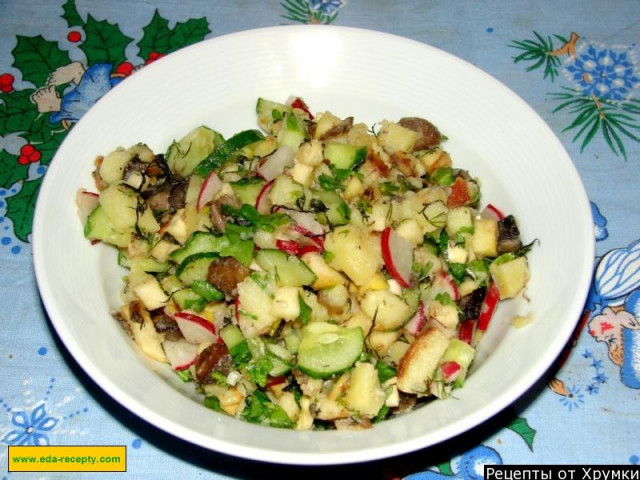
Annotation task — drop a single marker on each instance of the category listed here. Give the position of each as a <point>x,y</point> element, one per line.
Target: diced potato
<point>145,334</point>
<point>285,191</point>
<point>285,303</point>
<point>151,293</point>
<point>419,364</point>
<point>287,402</point>
<point>389,311</point>
<point>485,237</point>
<point>310,153</point>
<point>447,315</point>
<point>380,341</point>
<point>377,282</point>
<point>394,137</point>
<point>147,222</point>
<point>163,249</point>
<point>354,188</point>
<point>305,419</point>
<point>232,401</point>
<point>362,320</point>
<point>434,159</point>
<point>397,350</point>
<point>457,254</point>
<point>364,394</point>
<point>301,173</point>
<point>177,227</point>
<point>324,122</point>
<point>255,316</point>
<point>326,276</point>
<point>411,230</point>
<point>355,252</point>
<point>510,277</point>
<point>334,297</point>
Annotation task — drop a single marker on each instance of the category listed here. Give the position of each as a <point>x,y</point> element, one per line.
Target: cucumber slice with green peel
<point>293,132</point>
<point>270,112</point>
<point>187,299</point>
<point>184,155</point>
<point>333,209</point>
<point>463,354</point>
<point>223,152</point>
<point>231,336</point>
<point>199,242</point>
<point>207,291</point>
<point>100,227</point>
<point>195,267</point>
<point>289,270</point>
<point>327,349</point>
<point>247,190</point>
<point>344,156</point>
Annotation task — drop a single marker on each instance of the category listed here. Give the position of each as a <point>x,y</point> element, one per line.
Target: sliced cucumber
<point>187,299</point>
<point>184,155</point>
<point>463,354</point>
<point>289,270</point>
<point>336,211</point>
<point>270,112</point>
<point>293,132</point>
<point>199,242</point>
<point>344,156</point>
<point>247,190</point>
<point>195,267</point>
<point>100,227</point>
<point>327,349</point>
<point>223,152</point>
<point>231,336</point>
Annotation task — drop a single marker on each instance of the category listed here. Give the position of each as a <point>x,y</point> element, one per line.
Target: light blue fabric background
<point>590,416</point>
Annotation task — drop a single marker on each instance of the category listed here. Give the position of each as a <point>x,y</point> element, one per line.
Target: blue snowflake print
<point>30,429</point>
<point>604,72</point>
<point>574,399</point>
<point>326,7</point>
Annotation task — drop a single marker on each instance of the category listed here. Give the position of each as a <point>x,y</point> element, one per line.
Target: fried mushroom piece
<point>226,273</point>
<point>339,129</point>
<point>214,358</point>
<point>430,136</point>
<point>508,235</point>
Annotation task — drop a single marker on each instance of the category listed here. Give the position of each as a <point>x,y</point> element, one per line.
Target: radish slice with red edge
<point>306,223</point>
<point>297,102</point>
<point>415,325</point>
<point>86,203</point>
<point>180,353</point>
<point>263,203</point>
<point>288,246</point>
<point>492,212</point>
<point>275,163</point>
<point>397,253</point>
<point>444,283</point>
<point>210,188</point>
<point>467,331</point>
<point>194,328</point>
<point>450,371</point>
<point>488,307</point>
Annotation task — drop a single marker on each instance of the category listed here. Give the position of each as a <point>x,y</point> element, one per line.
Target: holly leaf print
<point>21,206</point>
<point>520,426</point>
<point>10,170</point>
<point>155,37</point>
<point>42,130</point>
<point>71,14</point>
<point>188,33</point>
<point>17,112</point>
<point>104,43</point>
<point>49,147</point>
<point>36,58</point>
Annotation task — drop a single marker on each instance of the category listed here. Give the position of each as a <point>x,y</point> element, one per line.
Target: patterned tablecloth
<point>575,63</point>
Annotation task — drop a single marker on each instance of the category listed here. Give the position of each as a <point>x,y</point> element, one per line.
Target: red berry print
<point>74,36</point>
<point>6,82</point>
<point>29,154</point>
<point>153,56</point>
<point>125,68</point>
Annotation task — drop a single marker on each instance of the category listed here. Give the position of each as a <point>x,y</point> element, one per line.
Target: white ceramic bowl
<point>522,165</point>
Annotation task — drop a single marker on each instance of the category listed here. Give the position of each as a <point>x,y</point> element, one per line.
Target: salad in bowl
<point>315,273</point>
